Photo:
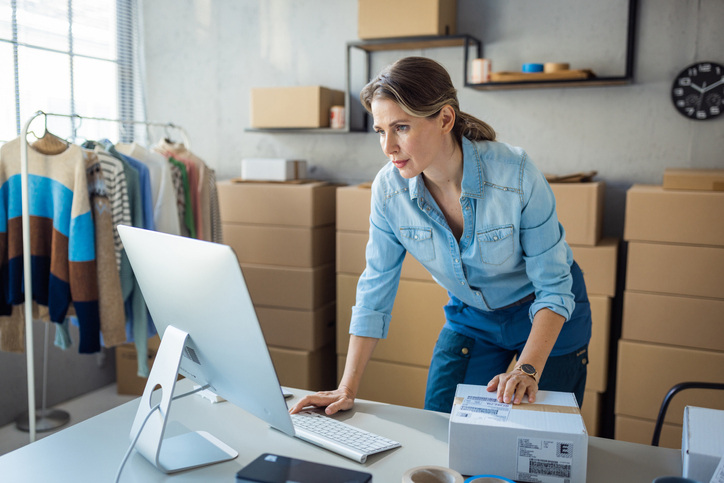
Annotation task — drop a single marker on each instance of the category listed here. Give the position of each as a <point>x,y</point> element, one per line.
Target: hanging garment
<point>181,192</point>
<point>117,189</point>
<point>208,219</point>
<point>135,307</point>
<point>180,153</point>
<point>165,211</point>
<point>110,296</point>
<point>186,195</point>
<point>62,237</point>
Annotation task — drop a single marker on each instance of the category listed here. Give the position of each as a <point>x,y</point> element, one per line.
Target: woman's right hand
<point>340,399</point>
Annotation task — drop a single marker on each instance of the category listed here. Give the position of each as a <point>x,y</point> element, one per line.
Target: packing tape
<point>488,479</point>
<point>432,474</point>
<point>531,67</point>
<point>555,66</point>
<point>543,408</point>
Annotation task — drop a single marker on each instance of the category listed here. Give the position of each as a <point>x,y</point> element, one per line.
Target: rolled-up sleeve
<point>377,286</point>
<point>548,257</point>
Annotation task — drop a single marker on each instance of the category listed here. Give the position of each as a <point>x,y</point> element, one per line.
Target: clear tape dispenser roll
<point>431,474</point>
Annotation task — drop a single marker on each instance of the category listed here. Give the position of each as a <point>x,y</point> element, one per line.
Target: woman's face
<point>413,144</point>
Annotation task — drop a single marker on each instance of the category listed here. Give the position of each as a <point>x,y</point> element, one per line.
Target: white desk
<point>92,450</point>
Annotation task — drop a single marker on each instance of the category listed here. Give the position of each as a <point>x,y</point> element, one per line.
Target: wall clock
<point>698,91</point>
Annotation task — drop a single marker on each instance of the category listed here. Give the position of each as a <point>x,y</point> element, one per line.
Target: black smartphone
<point>273,468</point>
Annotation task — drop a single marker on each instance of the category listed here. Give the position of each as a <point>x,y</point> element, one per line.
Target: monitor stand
<point>185,451</point>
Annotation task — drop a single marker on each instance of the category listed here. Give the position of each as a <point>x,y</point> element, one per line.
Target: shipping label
<point>544,460</point>
<point>478,409</point>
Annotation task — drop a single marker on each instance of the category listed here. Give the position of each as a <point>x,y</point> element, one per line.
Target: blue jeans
<point>474,346</point>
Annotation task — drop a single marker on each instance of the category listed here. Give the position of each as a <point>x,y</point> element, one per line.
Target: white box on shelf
<point>545,442</point>
<point>702,445</point>
<point>273,169</point>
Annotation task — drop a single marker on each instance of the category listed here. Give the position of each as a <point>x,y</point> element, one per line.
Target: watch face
<point>698,91</point>
<point>527,368</point>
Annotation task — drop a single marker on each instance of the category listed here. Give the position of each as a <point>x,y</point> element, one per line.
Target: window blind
<point>71,57</point>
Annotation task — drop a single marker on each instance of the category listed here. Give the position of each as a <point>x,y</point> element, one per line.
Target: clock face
<point>698,91</point>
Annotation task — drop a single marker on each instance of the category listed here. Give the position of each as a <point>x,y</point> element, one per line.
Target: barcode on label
<point>549,468</point>
<point>480,410</point>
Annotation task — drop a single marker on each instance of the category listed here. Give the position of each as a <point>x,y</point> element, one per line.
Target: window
<point>70,57</point>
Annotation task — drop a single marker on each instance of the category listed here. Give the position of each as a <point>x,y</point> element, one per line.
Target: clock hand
<point>720,81</point>
<point>696,87</point>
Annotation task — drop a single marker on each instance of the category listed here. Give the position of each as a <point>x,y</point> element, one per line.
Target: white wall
<point>203,56</point>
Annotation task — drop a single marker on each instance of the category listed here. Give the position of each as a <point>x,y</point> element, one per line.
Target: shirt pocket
<point>496,244</point>
<point>418,241</point>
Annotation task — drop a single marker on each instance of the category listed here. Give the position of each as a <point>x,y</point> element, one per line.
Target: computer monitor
<point>199,302</point>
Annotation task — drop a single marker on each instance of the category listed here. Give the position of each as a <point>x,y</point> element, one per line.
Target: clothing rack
<point>27,274</point>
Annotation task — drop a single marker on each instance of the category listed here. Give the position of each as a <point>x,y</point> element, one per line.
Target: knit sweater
<point>62,237</point>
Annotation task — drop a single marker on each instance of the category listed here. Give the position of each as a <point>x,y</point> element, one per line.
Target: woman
<point>481,218</point>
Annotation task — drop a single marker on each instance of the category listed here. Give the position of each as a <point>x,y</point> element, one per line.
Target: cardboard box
<point>676,269</point>
<point>659,215</point>
<point>390,383</point>
<point>293,107</point>
<point>306,204</point>
<point>310,370</point>
<point>298,329</point>
<point>353,208</point>
<point>580,210</point>
<point>673,319</point>
<point>351,257</point>
<point>270,169</point>
<point>598,264</point>
<point>289,246</point>
<point>288,287</point>
<point>702,446</point>
<point>694,179</point>
<point>528,442</point>
<point>641,431</point>
<point>598,347</point>
<point>646,373</point>
<point>406,18</point>
<point>127,379</point>
<point>591,411</point>
<point>417,318</point>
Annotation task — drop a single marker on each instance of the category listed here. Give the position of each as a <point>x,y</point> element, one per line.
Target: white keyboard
<point>342,438</point>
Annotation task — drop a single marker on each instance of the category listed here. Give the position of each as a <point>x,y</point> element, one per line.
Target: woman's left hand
<point>512,386</point>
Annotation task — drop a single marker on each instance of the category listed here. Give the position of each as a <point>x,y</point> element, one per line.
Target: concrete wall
<point>203,56</point>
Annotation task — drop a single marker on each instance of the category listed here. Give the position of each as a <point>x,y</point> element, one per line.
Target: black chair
<point>672,392</point>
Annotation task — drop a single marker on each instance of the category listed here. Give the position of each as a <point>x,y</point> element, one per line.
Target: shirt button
<point>428,208</point>
<point>505,189</point>
<point>415,237</point>
<point>462,283</point>
<point>467,236</point>
<point>456,260</point>
<point>464,350</point>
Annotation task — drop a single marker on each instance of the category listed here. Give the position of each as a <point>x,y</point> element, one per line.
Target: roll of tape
<point>555,66</point>
<point>431,474</point>
<point>532,67</point>
<point>488,479</point>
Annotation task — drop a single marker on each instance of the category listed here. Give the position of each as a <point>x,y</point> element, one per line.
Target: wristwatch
<point>528,370</point>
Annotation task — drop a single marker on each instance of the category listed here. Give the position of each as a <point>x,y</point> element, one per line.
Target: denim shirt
<point>512,244</point>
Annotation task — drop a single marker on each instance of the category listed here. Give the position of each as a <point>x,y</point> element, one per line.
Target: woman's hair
<point>421,87</point>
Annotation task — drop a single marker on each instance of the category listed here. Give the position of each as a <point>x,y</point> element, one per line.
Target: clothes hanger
<point>49,143</point>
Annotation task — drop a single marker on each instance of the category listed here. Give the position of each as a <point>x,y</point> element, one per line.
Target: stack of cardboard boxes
<point>580,210</point>
<point>283,235</point>
<point>673,304</point>
<point>397,373</point>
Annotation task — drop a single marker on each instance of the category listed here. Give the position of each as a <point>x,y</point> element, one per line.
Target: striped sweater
<point>62,238</point>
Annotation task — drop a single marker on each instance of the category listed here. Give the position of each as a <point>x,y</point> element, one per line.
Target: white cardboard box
<point>262,169</point>
<point>543,442</point>
<point>702,445</point>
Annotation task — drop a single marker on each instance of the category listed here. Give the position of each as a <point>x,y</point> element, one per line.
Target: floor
<point>80,409</point>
